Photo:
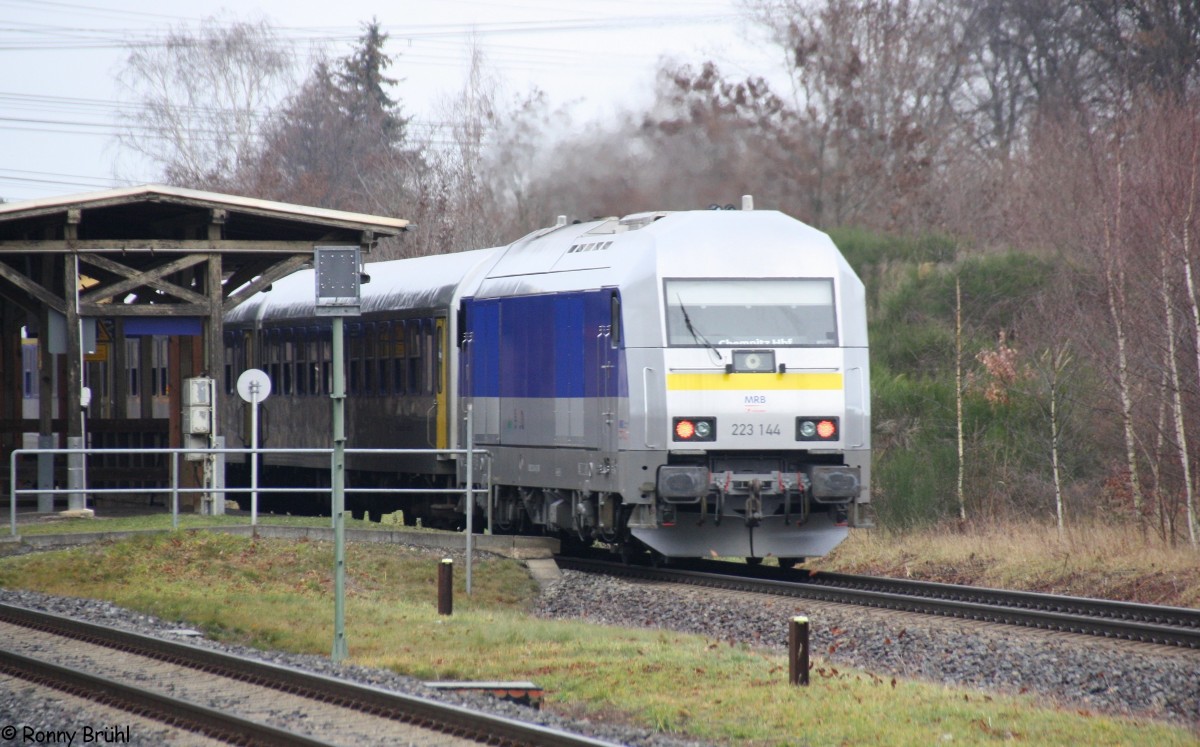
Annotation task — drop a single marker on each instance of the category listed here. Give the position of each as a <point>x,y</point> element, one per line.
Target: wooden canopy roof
<point>156,251</point>
<point>142,236</point>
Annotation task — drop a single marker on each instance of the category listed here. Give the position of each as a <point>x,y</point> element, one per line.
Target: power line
<point>508,45</point>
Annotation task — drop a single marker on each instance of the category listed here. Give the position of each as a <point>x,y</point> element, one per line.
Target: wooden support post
<point>798,651</point>
<point>74,344</point>
<point>119,372</point>
<point>73,415</point>
<point>445,587</point>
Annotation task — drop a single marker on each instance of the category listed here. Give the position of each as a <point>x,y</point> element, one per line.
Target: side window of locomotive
<point>615,320</point>
<point>782,312</point>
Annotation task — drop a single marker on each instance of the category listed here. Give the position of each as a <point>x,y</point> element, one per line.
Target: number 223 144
<point>756,429</point>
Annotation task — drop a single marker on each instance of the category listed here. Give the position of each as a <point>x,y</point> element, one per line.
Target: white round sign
<point>254,384</point>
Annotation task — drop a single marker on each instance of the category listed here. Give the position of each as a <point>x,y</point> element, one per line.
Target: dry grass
<point>1094,561</point>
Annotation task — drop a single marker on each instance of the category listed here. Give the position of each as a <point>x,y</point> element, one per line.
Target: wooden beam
<point>34,289</point>
<point>144,309</point>
<point>74,354</point>
<point>214,354</point>
<point>138,278</point>
<point>247,271</point>
<point>282,269</point>
<point>164,246</point>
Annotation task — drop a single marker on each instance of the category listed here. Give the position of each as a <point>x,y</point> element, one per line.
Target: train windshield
<point>778,312</point>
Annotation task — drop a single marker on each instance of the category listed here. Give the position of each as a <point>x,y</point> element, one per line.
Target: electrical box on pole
<point>198,408</point>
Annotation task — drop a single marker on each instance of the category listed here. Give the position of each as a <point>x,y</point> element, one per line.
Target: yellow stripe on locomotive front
<point>694,382</point>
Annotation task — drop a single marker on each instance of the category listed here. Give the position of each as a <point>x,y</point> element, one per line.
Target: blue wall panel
<point>484,325</point>
<point>540,346</point>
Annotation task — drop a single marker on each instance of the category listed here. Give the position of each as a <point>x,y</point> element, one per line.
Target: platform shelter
<point>119,296</point>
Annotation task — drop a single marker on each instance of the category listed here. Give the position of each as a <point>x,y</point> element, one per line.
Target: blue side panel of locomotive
<point>538,366</point>
<point>538,346</point>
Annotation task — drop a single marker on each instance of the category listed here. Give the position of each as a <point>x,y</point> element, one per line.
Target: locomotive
<point>689,384</point>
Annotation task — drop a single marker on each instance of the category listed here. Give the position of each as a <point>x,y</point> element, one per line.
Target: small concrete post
<point>76,475</point>
<point>798,651</point>
<point>45,468</point>
<point>445,587</point>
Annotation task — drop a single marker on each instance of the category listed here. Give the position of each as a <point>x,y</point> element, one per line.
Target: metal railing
<point>174,488</point>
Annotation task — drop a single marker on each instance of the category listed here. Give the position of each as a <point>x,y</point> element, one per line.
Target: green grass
<point>162,521</point>
<point>278,594</point>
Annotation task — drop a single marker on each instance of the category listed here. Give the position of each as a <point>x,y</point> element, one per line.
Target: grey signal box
<point>339,292</point>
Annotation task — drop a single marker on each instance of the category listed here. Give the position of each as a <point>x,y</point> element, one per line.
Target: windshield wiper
<point>687,322</point>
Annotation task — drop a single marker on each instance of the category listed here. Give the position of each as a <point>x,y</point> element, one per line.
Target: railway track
<point>234,700</point>
<point>1168,626</point>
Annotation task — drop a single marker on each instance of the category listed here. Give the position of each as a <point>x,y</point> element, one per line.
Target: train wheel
<point>633,552</point>
<point>628,554</point>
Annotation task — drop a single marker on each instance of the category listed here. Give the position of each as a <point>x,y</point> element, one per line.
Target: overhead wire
<point>442,45</point>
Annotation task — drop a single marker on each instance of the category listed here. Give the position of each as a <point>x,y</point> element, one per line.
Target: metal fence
<point>174,489</point>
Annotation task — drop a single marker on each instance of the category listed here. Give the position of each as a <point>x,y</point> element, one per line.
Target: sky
<point>59,62</point>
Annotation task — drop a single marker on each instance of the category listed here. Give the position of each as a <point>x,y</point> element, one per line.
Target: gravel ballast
<point>1076,672</point>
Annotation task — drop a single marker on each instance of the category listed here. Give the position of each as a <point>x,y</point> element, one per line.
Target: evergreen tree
<point>332,141</point>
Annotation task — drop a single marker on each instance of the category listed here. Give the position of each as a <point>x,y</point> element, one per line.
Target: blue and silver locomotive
<point>693,383</point>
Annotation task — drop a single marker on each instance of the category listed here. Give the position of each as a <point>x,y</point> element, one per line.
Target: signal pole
<point>339,294</point>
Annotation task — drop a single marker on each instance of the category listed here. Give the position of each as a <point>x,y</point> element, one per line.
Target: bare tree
<point>200,98</point>
<point>1166,197</point>
<point>1153,44</point>
<point>872,81</point>
<point>477,183</point>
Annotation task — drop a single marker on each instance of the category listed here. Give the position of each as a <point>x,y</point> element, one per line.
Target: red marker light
<point>826,429</point>
<point>685,429</point>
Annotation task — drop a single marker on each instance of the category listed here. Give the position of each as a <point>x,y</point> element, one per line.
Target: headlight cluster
<point>817,429</point>
<point>694,429</point>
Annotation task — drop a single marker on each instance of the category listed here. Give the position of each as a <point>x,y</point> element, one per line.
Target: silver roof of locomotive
<point>633,253</point>
<point>705,242</point>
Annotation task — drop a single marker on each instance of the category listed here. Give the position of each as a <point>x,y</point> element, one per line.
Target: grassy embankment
<point>277,594</point>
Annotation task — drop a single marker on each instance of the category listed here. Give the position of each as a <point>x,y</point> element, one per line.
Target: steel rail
<point>461,722</point>
<point>1181,617</point>
<point>1168,626</point>
<point>179,713</point>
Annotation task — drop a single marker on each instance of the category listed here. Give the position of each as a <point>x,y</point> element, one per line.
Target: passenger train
<point>688,384</point>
